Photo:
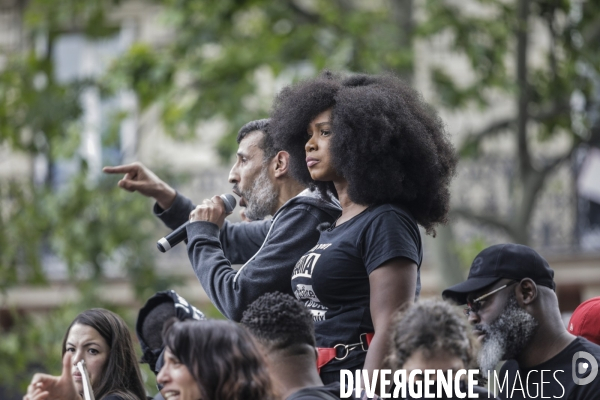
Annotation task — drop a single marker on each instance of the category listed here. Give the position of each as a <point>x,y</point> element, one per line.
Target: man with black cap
<point>513,309</point>
<point>160,308</point>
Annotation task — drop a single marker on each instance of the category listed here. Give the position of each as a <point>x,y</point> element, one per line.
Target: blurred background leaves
<point>209,65</point>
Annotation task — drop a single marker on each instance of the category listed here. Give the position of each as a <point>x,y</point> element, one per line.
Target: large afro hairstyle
<point>387,142</point>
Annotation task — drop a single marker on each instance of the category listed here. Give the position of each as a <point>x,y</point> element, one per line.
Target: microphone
<point>180,234</point>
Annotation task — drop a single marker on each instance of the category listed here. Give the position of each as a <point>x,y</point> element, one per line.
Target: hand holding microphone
<point>214,210</point>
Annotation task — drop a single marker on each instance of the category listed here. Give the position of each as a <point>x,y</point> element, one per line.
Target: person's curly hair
<point>280,322</point>
<point>433,326</point>
<point>387,142</point>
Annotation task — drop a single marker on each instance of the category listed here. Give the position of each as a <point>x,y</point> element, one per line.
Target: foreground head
<point>509,292</point>
<point>374,132</point>
<point>431,334</point>
<point>257,169</point>
<point>281,324</point>
<point>212,360</point>
<point>159,308</point>
<point>585,320</point>
<point>102,339</point>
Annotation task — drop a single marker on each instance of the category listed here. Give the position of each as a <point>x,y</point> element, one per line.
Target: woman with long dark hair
<point>212,360</point>
<point>100,338</point>
<point>374,144</point>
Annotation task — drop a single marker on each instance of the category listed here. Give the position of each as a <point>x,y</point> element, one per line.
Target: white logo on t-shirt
<point>318,315</point>
<point>304,266</point>
<point>303,292</point>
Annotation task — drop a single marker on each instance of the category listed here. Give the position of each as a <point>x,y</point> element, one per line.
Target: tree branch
<point>559,160</point>
<point>523,85</point>
<point>486,219</point>
<point>552,44</point>
<point>556,109</point>
<point>304,14</point>
<point>592,33</point>
<point>474,139</point>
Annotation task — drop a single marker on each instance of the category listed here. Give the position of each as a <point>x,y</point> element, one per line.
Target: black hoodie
<point>269,249</point>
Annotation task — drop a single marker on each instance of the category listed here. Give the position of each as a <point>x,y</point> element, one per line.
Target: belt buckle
<point>345,347</point>
<point>363,342</point>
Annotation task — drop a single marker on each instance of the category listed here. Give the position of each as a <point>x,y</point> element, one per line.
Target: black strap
<point>314,392</point>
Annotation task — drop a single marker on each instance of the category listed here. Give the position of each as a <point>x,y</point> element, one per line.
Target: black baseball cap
<point>148,328</point>
<point>502,261</point>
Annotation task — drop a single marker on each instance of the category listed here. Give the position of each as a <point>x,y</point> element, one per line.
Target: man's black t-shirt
<point>555,378</point>
<point>332,279</point>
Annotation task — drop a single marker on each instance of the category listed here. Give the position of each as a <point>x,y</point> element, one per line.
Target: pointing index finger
<point>119,169</point>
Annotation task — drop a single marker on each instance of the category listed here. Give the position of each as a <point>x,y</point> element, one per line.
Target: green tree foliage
<point>209,68</point>
<point>496,40</point>
<point>86,224</point>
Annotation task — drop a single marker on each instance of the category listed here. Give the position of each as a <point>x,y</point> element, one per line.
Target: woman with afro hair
<point>373,143</point>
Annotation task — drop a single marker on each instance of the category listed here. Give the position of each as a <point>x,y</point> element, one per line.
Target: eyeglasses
<point>475,305</point>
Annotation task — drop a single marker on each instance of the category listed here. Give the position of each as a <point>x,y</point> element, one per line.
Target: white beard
<point>491,353</point>
<point>261,197</point>
<point>507,336</point>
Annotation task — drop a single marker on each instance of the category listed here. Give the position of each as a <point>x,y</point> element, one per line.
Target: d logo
<point>583,367</point>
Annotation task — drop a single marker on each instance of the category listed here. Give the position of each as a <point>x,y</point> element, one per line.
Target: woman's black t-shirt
<point>332,279</point>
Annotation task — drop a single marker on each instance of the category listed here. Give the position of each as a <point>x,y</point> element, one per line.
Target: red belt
<point>340,351</point>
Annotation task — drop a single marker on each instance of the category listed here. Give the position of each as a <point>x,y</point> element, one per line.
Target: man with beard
<point>514,311</point>
<point>269,249</point>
